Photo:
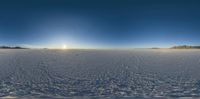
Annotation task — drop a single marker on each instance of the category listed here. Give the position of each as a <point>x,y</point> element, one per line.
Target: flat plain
<point>117,74</point>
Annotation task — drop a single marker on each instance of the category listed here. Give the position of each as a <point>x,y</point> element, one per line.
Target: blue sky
<point>99,23</point>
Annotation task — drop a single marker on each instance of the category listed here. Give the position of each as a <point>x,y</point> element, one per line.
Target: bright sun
<point>64,46</point>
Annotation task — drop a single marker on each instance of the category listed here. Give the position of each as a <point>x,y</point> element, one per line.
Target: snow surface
<point>140,73</point>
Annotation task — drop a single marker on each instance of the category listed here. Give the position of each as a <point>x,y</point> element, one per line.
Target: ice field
<point>93,74</point>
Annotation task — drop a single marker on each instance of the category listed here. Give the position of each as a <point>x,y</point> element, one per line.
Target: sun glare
<point>64,46</point>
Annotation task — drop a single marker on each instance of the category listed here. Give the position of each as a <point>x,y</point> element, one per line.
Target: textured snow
<point>140,73</point>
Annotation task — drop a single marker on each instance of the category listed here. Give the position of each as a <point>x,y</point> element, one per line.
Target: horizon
<point>99,24</point>
<point>66,48</point>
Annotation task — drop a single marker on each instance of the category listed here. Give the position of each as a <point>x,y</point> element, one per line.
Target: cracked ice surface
<point>100,73</point>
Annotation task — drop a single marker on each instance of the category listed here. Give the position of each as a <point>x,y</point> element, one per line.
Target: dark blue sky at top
<point>100,23</point>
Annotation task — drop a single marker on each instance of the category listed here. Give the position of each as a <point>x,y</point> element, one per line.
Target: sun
<point>64,46</point>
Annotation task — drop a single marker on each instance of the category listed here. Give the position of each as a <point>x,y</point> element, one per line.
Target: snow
<point>139,73</point>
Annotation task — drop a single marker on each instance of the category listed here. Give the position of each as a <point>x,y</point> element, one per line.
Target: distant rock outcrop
<point>186,47</point>
<point>9,47</point>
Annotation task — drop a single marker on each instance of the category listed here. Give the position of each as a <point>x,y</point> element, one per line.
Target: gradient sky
<point>99,23</point>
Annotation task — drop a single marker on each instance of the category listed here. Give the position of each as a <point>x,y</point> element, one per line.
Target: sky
<point>99,23</point>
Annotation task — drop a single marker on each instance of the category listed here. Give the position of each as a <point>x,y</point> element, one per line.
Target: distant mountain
<point>186,47</point>
<point>9,47</point>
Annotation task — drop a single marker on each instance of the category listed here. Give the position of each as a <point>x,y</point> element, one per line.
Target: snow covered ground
<point>139,73</point>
